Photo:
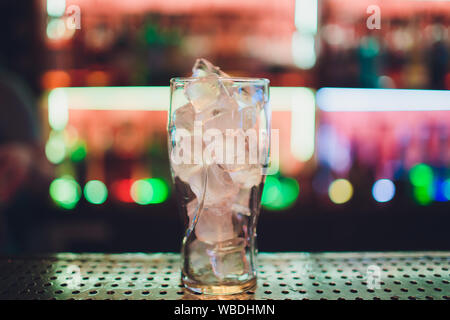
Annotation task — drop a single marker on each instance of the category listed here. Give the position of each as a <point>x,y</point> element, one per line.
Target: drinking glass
<point>217,126</point>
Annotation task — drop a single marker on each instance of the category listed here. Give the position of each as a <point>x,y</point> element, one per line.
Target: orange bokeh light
<point>55,78</point>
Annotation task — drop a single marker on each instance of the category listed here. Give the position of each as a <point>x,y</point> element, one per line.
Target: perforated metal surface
<point>280,276</point>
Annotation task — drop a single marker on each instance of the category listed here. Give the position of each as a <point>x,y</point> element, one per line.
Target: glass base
<point>224,289</point>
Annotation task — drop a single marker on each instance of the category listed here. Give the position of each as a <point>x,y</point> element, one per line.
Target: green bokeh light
<point>289,190</point>
<point>65,191</point>
<point>424,194</point>
<point>149,191</point>
<point>55,149</point>
<point>279,193</point>
<point>160,190</point>
<point>142,192</point>
<point>95,192</point>
<point>78,152</point>
<point>271,191</point>
<point>421,175</point>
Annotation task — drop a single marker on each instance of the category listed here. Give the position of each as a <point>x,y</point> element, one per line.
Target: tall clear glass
<point>216,127</point>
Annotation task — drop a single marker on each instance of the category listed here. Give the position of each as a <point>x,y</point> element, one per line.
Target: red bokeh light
<point>121,190</point>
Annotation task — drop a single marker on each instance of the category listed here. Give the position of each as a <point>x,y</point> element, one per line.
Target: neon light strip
<point>148,98</point>
<point>300,101</point>
<point>116,98</point>
<point>306,16</point>
<point>347,99</point>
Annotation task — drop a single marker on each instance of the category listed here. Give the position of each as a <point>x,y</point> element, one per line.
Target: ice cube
<point>184,117</point>
<point>197,182</point>
<point>186,161</point>
<point>199,262</point>
<point>222,119</point>
<point>247,177</point>
<point>220,186</point>
<point>204,92</point>
<point>226,115</point>
<point>241,150</point>
<point>250,96</point>
<point>224,103</point>
<point>190,173</point>
<point>214,223</point>
<point>228,259</point>
<point>248,116</point>
<point>203,67</point>
<point>241,202</point>
<point>230,264</point>
<point>209,92</point>
<point>183,164</point>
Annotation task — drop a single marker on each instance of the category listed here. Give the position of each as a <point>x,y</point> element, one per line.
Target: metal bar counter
<point>295,276</point>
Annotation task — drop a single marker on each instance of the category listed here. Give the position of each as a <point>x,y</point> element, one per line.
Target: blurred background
<point>83,100</point>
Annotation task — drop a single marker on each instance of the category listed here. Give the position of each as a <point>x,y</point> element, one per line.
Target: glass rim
<point>233,79</point>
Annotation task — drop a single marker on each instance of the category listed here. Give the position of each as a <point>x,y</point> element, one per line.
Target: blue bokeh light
<point>383,190</point>
<point>446,189</point>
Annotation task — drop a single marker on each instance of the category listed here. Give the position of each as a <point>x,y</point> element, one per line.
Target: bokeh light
<point>421,175</point>
<point>149,191</point>
<point>290,191</point>
<point>306,14</point>
<point>58,109</point>
<point>55,78</point>
<point>423,194</point>
<point>56,8</point>
<point>340,191</point>
<point>271,191</point>
<point>383,190</point>
<point>160,190</point>
<point>97,79</point>
<point>55,148</point>
<point>303,50</point>
<point>122,190</point>
<point>65,191</point>
<point>56,29</point>
<point>78,151</point>
<point>439,190</point>
<point>142,192</point>
<point>446,189</point>
<point>95,192</point>
<point>279,193</point>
